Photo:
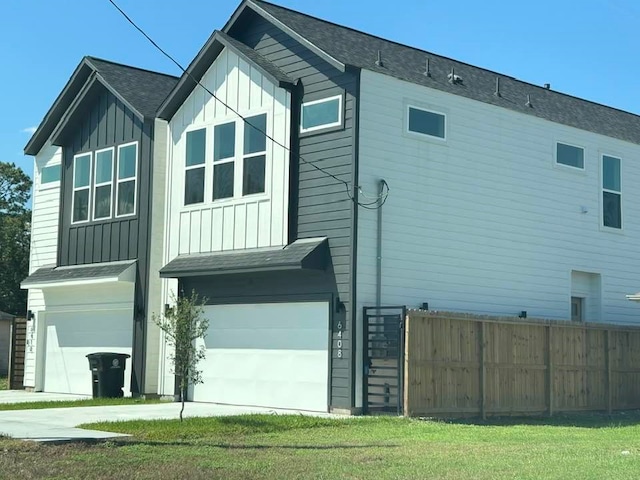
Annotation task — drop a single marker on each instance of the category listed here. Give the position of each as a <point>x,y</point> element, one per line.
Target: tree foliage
<point>15,237</point>
<point>182,325</point>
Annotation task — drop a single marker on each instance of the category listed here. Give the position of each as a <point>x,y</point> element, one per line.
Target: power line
<point>378,201</point>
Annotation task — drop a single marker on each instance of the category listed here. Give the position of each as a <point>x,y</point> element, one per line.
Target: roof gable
<point>351,47</point>
<point>141,90</point>
<point>203,61</point>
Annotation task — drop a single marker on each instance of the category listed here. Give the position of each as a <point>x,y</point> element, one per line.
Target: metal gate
<point>383,359</point>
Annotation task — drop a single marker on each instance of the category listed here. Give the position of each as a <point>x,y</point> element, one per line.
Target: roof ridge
<point>540,87</point>
<point>91,57</point>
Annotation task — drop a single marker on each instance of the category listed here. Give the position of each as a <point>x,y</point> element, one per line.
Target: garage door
<point>80,321</point>
<point>271,355</point>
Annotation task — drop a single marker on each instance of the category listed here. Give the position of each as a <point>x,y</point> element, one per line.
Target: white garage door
<point>73,329</point>
<point>271,355</point>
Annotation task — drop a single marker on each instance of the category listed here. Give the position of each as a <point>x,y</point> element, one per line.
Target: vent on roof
<point>453,78</point>
<point>547,86</point>
<point>528,104</point>
<point>497,92</point>
<point>427,69</point>
<point>379,60</point>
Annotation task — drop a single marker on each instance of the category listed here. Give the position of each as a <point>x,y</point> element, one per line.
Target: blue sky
<point>589,52</point>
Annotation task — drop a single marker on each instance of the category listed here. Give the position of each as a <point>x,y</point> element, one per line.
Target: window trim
<point>240,159</point>
<point>76,189</point>
<point>48,185</point>
<point>414,134</point>
<point>339,97</point>
<point>564,165</point>
<point>204,165</point>
<point>95,183</point>
<point>210,178</point>
<point>603,190</point>
<point>128,179</point>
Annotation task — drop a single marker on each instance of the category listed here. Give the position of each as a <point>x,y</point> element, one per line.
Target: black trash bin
<point>107,373</point>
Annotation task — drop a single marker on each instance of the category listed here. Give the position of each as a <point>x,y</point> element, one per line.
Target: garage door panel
<point>273,355</point>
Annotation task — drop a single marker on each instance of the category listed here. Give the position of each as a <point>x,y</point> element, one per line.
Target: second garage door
<point>271,354</point>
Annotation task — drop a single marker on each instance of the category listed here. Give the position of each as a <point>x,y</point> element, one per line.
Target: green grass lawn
<point>91,402</point>
<point>296,447</point>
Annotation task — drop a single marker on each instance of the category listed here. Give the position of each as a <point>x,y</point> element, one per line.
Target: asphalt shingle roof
<point>303,253</point>
<point>77,273</point>
<point>359,49</point>
<point>143,89</point>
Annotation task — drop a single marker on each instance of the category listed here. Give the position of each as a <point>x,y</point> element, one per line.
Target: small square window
<point>320,114</point>
<point>426,122</point>
<point>570,155</point>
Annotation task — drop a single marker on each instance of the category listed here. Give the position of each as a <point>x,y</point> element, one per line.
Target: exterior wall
<point>485,222</point>
<point>44,245</point>
<point>252,221</point>
<point>320,205</point>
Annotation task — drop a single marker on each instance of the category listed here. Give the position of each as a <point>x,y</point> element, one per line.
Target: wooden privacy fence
<point>459,365</point>
<point>17,353</point>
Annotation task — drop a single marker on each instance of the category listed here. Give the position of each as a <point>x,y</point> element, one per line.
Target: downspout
<point>382,185</point>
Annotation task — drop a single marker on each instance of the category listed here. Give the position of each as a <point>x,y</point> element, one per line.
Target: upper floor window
<point>102,190</point>
<point>426,122</point>
<point>81,187</point>
<point>50,174</point>
<point>94,176</point>
<point>611,192</point>
<point>320,114</point>
<point>570,155</point>
<point>239,160</point>
<point>127,177</point>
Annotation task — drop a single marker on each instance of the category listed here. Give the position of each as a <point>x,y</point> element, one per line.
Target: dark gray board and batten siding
<point>320,203</point>
<point>108,122</point>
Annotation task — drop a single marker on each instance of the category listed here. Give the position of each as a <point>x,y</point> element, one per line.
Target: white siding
<point>485,222</point>
<point>44,244</point>
<point>259,220</point>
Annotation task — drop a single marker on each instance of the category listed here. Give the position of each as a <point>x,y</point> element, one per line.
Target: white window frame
<point>128,179</point>
<point>240,158</point>
<point>415,134</point>
<point>88,187</point>
<point>54,184</point>
<point>207,133</point>
<point>327,125</point>
<point>209,178</point>
<point>96,184</point>
<point>564,165</point>
<point>603,190</point>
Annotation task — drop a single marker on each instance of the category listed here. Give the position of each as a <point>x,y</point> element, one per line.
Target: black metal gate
<point>383,359</point>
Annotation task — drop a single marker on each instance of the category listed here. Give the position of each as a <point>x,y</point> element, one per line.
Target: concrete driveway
<point>59,424</point>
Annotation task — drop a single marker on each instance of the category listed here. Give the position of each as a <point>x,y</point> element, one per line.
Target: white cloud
<point>30,130</point>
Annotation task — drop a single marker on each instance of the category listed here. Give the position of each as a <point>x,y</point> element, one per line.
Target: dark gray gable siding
<point>319,203</point>
<point>108,122</point>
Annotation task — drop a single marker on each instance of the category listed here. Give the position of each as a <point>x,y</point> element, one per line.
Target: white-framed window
<point>426,122</point>
<point>195,166</point>
<point>254,158</point>
<point>50,175</point>
<point>321,114</point>
<point>224,156</point>
<point>81,188</point>
<point>103,184</point>
<point>570,155</point>
<point>126,179</point>
<point>611,192</point>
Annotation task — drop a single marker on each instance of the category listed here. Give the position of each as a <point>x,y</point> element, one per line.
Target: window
<point>570,155</point>
<point>195,163</point>
<point>577,307</point>
<point>50,174</point>
<point>126,184</point>
<point>321,114</point>
<point>224,152</point>
<point>426,122</point>
<point>81,187</point>
<point>255,155</point>
<point>611,192</point>
<point>103,184</point>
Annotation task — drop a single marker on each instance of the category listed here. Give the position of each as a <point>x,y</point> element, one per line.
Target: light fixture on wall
<point>425,306</point>
<point>522,314</point>
<point>340,307</point>
<point>30,315</point>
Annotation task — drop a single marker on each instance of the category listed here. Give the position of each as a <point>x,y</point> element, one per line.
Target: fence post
<point>607,359</point>
<point>483,372</point>
<point>549,382</point>
<point>405,382</point>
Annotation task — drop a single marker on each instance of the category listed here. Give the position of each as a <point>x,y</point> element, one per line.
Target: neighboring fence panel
<point>460,365</point>
<point>16,356</point>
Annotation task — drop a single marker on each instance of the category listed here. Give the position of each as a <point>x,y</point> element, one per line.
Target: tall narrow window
<point>102,193</point>
<point>81,187</point>
<point>254,155</point>
<point>224,151</point>
<point>194,162</point>
<point>611,192</point>
<point>126,184</point>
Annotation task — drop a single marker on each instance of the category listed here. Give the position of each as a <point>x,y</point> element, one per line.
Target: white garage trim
<point>270,354</point>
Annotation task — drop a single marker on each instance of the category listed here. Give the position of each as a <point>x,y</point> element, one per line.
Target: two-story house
<point>97,217</point>
<point>495,197</point>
